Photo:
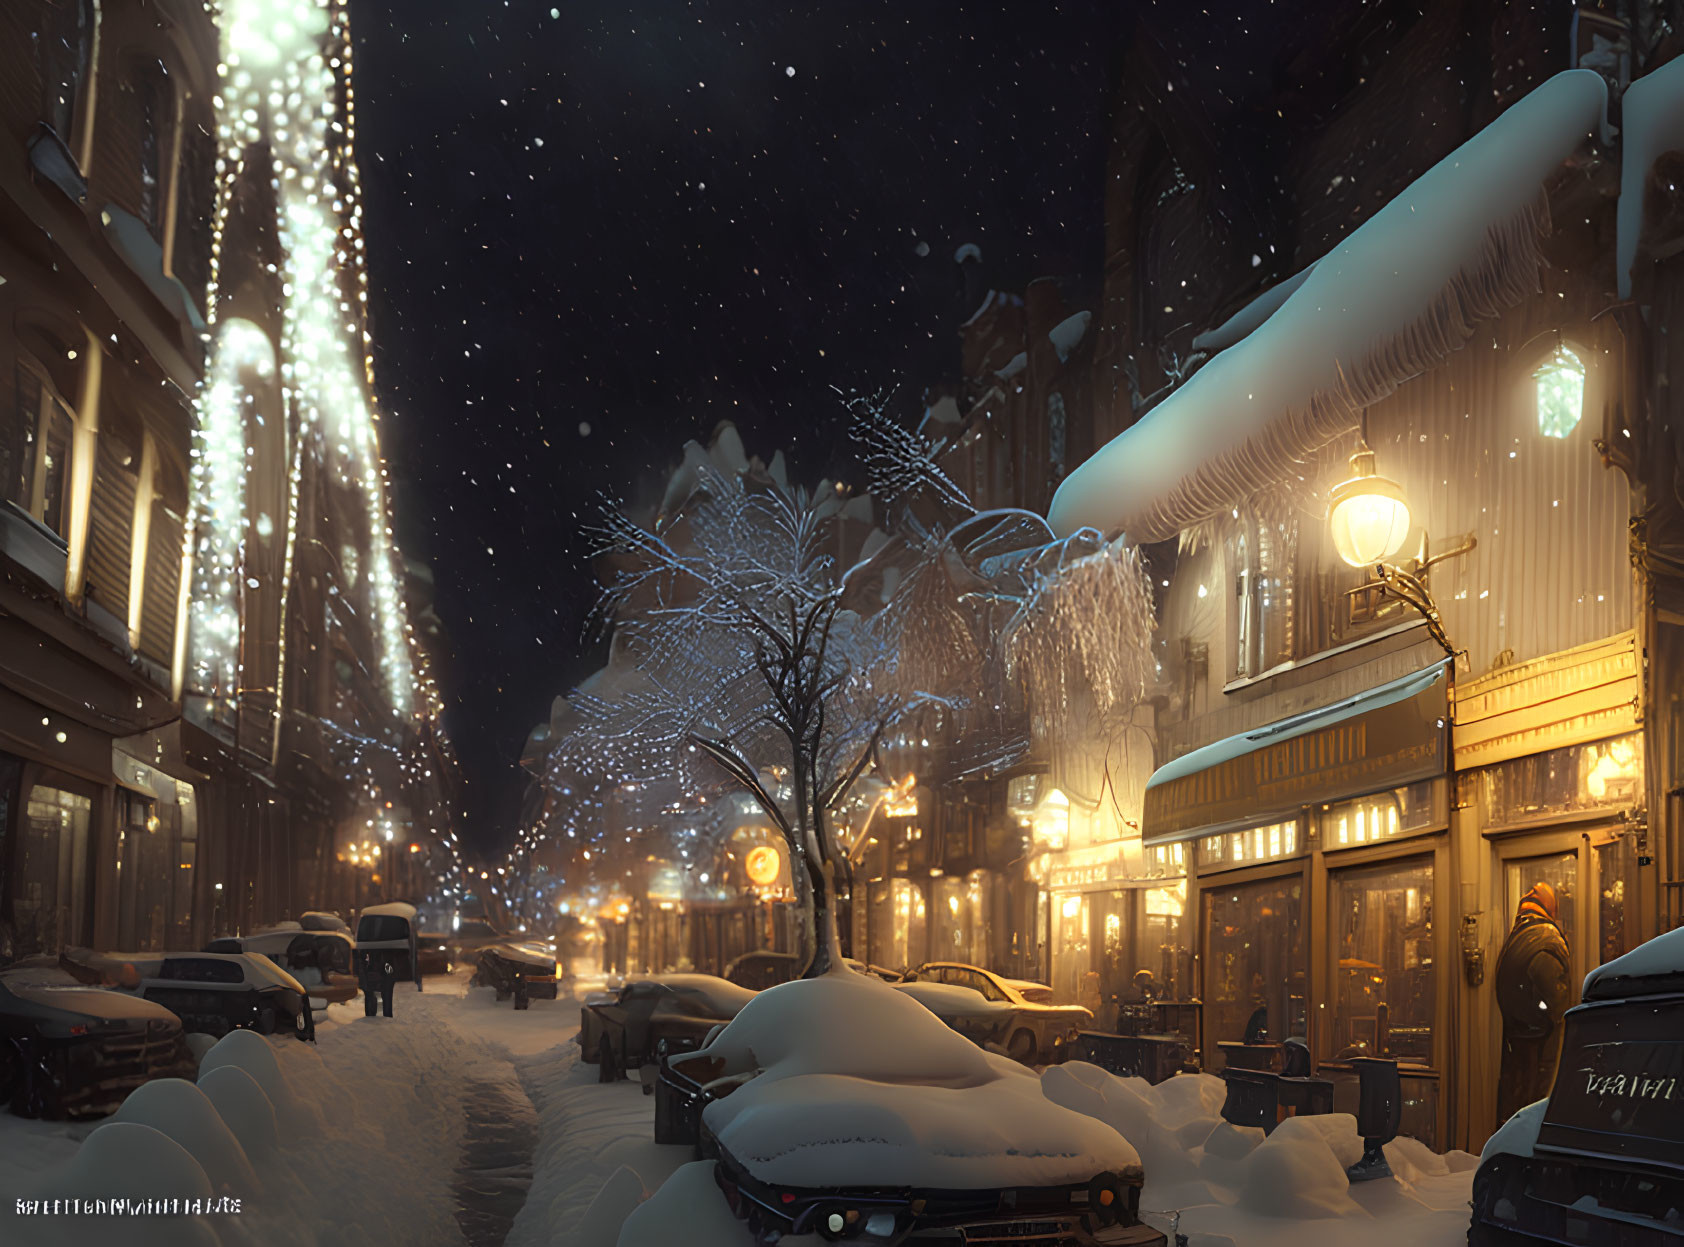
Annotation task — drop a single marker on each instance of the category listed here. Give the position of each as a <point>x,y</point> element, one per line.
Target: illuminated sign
<point>762,865</point>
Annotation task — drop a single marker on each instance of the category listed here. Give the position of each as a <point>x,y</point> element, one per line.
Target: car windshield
<point>1036,995</point>
<point>377,928</point>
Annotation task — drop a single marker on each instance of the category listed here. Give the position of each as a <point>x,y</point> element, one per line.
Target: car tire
<point>266,1020</point>
<point>1022,1048</point>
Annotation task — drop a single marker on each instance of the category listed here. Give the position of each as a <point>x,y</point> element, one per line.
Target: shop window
<point>1167,950</point>
<point>1382,924</point>
<point>1383,815</point>
<point>35,450</point>
<point>1253,959</point>
<point>1244,848</point>
<point>50,891</point>
<point>1540,786</point>
<point>1616,873</point>
<point>1070,968</point>
<point>152,905</point>
<point>1166,861</point>
<point>63,39</point>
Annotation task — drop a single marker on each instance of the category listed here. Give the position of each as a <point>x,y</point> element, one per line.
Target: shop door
<point>1565,910</point>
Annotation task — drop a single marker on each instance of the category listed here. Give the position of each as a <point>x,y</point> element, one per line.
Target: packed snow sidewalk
<point>356,1139</point>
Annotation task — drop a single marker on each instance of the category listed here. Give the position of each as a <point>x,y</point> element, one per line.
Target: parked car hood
<point>89,1002</point>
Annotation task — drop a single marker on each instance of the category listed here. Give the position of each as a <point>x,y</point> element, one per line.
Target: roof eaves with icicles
<point>1402,293</point>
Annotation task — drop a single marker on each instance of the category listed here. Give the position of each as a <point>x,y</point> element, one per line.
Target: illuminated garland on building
<point>284,65</point>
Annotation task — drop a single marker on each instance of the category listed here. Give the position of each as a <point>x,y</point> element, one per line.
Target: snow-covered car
<point>1602,1159</point>
<point>519,970</point>
<point>470,936</point>
<point>320,920</point>
<point>966,1010</point>
<point>765,968</point>
<point>214,993</point>
<point>675,1010</point>
<point>73,1051</point>
<point>1043,1033</point>
<point>391,932</point>
<point>320,960</point>
<point>839,1106</point>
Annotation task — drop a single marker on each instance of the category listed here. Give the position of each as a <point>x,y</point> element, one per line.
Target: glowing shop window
<point>1166,861</point>
<point>1256,844</point>
<point>1561,393</point>
<point>1381,816</point>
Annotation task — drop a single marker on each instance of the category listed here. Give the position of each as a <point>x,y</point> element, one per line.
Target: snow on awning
<point>1651,124</point>
<point>1385,737</point>
<point>1398,296</point>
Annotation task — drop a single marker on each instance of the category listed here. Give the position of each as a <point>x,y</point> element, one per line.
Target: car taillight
<point>79,1029</point>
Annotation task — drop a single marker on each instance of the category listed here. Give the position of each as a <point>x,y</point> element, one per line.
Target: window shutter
<point>163,585</point>
<point>110,521</point>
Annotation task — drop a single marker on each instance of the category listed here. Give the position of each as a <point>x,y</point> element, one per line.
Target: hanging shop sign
<point>1583,694</point>
<point>1388,736</point>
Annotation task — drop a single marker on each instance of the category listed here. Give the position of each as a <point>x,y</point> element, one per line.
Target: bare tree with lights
<point>748,650</point>
<point>748,661</point>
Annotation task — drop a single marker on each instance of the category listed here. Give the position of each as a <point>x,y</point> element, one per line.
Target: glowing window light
<point>1560,382</point>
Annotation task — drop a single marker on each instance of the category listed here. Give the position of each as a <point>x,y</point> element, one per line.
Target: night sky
<point>597,230</point>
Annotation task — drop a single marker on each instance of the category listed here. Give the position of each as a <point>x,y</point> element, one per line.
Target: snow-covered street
<point>428,1128</point>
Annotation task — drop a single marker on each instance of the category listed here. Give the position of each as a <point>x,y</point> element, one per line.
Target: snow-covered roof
<point>1250,316</point>
<point>1651,124</point>
<point>1663,955</point>
<point>1400,294</point>
<point>860,1085</point>
<point>391,909</point>
<point>1067,335</point>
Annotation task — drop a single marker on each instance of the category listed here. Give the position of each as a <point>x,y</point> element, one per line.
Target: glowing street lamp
<point>1368,514</point>
<point>1368,518</point>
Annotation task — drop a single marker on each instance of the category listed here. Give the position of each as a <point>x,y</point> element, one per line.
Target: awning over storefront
<point>1398,296</point>
<point>1385,737</point>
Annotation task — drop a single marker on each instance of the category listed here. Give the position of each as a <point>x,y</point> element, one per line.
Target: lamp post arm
<point>1410,589</point>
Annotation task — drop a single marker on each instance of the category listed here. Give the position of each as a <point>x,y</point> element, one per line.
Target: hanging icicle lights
<point>284,62</point>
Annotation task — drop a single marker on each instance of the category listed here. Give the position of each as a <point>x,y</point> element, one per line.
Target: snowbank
<point>358,1142</point>
<point>596,1158</point>
<point>1236,1185</point>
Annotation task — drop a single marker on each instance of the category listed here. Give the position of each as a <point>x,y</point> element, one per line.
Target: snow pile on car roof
<point>860,1084</point>
<point>722,996</point>
<point>1236,1185</point>
<point>948,1000</point>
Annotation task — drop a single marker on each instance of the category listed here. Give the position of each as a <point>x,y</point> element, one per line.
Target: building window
<point>1057,434</point>
<point>1382,925</point>
<point>1382,815</point>
<point>63,41</point>
<point>152,95</point>
<point>35,450</point>
<point>1261,553</point>
<point>1268,843</point>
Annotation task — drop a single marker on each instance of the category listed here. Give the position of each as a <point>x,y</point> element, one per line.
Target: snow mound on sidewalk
<point>688,1211</point>
<point>251,1052</point>
<point>180,1110</point>
<point>862,1085</point>
<point>247,1112</point>
<point>1234,1184</point>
